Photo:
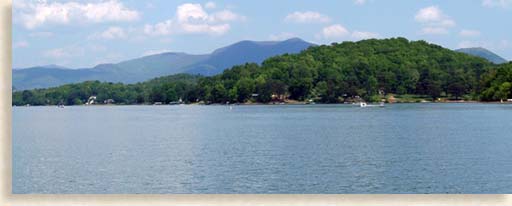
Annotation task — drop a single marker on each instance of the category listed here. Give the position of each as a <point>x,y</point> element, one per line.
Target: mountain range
<point>148,67</point>
<point>484,53</point>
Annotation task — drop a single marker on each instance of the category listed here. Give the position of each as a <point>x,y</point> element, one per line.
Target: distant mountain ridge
<point>484,53</point>
<point>246,51</point>
<point>147,67</point>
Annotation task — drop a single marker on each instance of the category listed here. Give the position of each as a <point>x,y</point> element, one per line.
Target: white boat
<point>364,104</point>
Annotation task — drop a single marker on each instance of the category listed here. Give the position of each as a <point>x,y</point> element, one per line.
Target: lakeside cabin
<point>109,101</point>
<point>91,100</point>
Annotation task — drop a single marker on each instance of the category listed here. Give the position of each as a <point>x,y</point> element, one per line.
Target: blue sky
<point>80,34</point>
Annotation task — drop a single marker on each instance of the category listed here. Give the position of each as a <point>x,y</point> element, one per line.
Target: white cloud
<point>159,29</point>
<point>193,19</point>
<point>307,17</point>
<point>186,12</point>
<point>41,34</point>
<point>429,14</point>
<point>497,3</point>
<point>113,32</point>
<point>434,21</point>
<point>156,51</point>
<point>64,53</point>
<point>210,5</point>
<point>20,44</point>
<point>339,32</point>
<point>359,35</point>
<point>38,13</point>
<point>334,32</point>
<point>359,2</point>
<point>219,29</point>
<point>469,33</point>
<point>281,36</point>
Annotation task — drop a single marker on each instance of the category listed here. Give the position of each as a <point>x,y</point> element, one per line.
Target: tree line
<point>328,74</point>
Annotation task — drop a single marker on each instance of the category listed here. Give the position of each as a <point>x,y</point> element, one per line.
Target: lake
<point>401,148</point>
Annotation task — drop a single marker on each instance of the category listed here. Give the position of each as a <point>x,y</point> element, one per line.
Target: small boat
<point>60,106</point>
<point>364,104</point>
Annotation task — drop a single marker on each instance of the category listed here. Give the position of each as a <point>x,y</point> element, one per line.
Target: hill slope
<point>484,53</point>
<point>144,68</point>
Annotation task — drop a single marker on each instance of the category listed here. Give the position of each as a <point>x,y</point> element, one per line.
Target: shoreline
<point>270,104</point>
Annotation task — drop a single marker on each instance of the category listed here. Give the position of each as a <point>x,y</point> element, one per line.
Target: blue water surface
<point>401,148</point>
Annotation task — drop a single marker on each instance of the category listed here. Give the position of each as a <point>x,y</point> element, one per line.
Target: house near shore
<point>278,97</point>
<point>109,101</point>
<point>91,100</point>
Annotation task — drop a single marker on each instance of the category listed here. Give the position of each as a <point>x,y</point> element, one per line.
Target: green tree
<point>504,91</point>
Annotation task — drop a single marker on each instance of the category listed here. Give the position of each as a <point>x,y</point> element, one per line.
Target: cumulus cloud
<point>64,53</point>
<point>334,31</point>
<point>307,17</point>
<point>497,3</point>
<point>339,32</point>
<point>33,14</point>
<point>159,29</point>
<point>113,32</point>
<point>469,33</point>
<point>193,19</point>
<point>434,21</point>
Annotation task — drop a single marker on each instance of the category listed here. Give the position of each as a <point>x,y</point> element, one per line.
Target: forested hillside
<point>163,89</point>
<point>498,83</point>
<point>327,74</point>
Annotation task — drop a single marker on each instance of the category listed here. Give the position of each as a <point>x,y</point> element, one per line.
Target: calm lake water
<point>402,148</point>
